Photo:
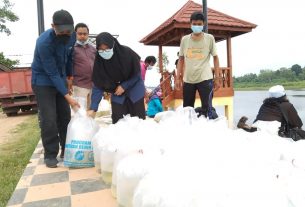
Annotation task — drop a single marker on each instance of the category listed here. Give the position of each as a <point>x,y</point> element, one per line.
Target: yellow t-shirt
<point>197,58</point>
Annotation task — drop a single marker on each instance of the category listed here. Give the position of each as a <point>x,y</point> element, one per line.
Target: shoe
<point>242,122</point>
<point>51,162</point>
<point>62,154</point>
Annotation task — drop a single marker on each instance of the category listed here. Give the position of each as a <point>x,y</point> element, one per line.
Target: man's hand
<point>69,85</point>
<point>73,103</point>
<point>217,83</point>
<point>119,90</point>
<point>178,84</point>
<point>91,113</point>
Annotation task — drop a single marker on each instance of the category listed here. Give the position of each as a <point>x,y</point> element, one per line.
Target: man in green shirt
<point>194,65</point>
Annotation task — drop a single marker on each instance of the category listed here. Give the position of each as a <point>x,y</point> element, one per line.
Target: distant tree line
<point>283,75</point>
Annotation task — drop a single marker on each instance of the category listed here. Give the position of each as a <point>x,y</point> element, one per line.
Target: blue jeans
<point>54,116</point>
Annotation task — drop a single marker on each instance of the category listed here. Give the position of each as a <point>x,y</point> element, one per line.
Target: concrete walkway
<point>40,186</point>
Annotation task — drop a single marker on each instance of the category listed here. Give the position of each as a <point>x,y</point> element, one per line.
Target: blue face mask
<point>196,29</point>
<point>106,54</point>
<point>82,42</point>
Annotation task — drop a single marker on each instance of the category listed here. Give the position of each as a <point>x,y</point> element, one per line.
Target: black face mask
<point>64,39</point>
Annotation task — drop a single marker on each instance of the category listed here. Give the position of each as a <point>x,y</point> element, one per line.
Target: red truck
<point>15,91</point>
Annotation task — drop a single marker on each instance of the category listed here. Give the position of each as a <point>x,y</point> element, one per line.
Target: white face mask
<point>150,67</point>
<point>82,42</point>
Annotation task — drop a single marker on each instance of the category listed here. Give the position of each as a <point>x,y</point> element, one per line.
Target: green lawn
<point>15,155</point>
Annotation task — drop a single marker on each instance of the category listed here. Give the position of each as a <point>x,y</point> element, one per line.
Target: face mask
<point>150,67</point>
<point>159,93</point>
<point>64,39</point>
<point>106,54</point>
<point>197,29</point>
<point>82,43</point>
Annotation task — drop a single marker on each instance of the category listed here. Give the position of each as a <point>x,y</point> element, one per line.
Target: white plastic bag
<point>130,172</point>
<point>104,105</point>
<point>107,160</point>
<point>78,148</point>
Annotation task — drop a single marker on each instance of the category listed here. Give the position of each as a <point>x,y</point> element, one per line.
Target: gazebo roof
<point>220,25</point>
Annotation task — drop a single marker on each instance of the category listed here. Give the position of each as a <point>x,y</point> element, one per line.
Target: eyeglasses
<point>82,33</point>
<point>106,50</point>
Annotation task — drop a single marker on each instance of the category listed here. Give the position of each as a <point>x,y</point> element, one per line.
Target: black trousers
<point>54,116</point>
<point>205,90</point>
<point>134,109</point>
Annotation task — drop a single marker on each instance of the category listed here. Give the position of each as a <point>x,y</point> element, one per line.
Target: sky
<point>278,41</point>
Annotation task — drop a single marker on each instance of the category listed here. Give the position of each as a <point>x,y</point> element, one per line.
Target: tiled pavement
<point>40,186</point>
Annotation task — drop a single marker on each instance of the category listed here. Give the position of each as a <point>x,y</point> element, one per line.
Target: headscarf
<point>277,91</point>
<point>125,63</point>
<point>154,94</point>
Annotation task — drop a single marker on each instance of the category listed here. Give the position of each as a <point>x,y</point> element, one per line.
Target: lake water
<point>247,103</point>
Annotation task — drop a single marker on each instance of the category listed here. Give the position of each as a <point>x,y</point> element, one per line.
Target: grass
<point>266,86</point>
<point>15,155</point>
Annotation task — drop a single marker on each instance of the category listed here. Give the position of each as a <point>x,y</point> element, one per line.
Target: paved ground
<point>7,124</point>
<point>40,186</point>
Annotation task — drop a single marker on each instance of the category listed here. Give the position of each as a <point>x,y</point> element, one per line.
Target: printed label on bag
<point>79,144</point>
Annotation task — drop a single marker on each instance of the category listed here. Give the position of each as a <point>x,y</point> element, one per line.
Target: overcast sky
<point>278,41</point>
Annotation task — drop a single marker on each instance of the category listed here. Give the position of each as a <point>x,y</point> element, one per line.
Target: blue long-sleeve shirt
<point>134,90</point>
<point>52,61</point>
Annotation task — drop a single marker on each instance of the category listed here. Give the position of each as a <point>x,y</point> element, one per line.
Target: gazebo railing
<point>170,92</point>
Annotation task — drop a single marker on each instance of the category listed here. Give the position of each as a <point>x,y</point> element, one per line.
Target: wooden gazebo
<point>221,26</point>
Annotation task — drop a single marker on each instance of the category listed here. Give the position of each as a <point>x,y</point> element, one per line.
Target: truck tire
<point>26,108</point>
<point>11,114</point>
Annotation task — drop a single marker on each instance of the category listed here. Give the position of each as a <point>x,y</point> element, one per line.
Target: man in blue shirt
<point>51,69</point>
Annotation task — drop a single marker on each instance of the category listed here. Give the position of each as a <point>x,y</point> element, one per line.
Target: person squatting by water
<point>274,108</point>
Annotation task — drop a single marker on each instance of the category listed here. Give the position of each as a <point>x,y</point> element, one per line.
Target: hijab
<point>154,94</point>
<point>124,63</point>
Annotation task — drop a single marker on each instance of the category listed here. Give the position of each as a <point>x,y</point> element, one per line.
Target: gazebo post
<point>160,60</point>
<point>229,52</point>
<point>229,106</point>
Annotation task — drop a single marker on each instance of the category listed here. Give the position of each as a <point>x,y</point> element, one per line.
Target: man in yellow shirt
<point>194,65</point>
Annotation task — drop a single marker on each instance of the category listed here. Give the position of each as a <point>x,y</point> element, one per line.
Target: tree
<point>6,15</point>
<point>297,69</point>
<point>7,62</point>
<point>266,76</point>
<point>165,61</point>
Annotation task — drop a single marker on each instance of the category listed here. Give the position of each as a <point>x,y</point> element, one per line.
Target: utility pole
<point>40,16</point>
<point>205,13</point>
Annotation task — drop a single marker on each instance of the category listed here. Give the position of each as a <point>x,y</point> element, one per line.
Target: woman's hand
<point>119,90</point>
<point>91,113</point>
